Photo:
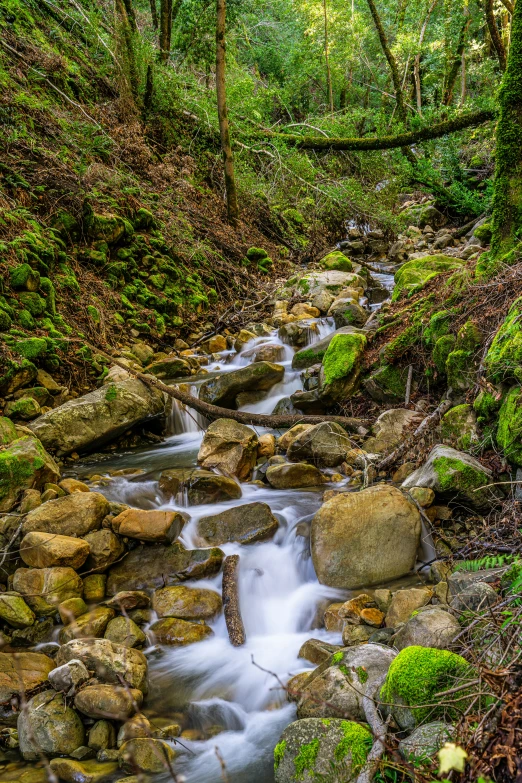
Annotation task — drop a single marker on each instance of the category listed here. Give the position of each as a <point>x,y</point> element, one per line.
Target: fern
<point>491,561</point>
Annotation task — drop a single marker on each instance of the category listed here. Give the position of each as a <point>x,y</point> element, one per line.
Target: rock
<point>15,611</point>
<point>314,749</point>
<point>347,312</point>
<point>108,701</point>
<point>154,566</point>
<point>242,524</point>
<point>390,429</point>
<point>351,609</point>
<point>146,755</point>
<point>41,631</point>
<point>199,486</point>
<point>324,445</point>
<point>68,677</point>
<point>341,366</point>
<point>387,384</point>
<point>470,591</point>
<point>338,686</point>
<point>454,474</point>
<point>71,485</point>
<point>25,670</point>
<point>332,280</point>
<point>72,515</point>
<point>178,633</point>
<point>215,344</point>
<point>510,422</point>
<point>186,603</point>
<point>354,535</point>
<point>88,771</point>
<point>314,354</point>
<point>268,352</point>
<point>229,447</point>
<point>243,338</point>
<point>154,526</point>
<point>404,602</point>
<point>266,446</point>
<point>459,429</point>
<point>110,662</point>
<point>355,635</point>
<point>294,475</point>
<point>423,743</point>
<point>298,334</point>
<point>502,361</point>
<point>336,260</point>
<point>45,588</point>
<point>128,600</point>
<point>31,498</point>
<point>124,631</point>
<point>332,620</point>
<point>169,368</point>
<point>91,624</point>
<point>223,389</point>
<point>414,274</point>
<point>17,376</point>
<point>24,408</point>
<point>94,587</point>
<point>24,464</point>
<point>102,736</point>
<point>49,726</point>
<point>286,440</point>
<point>317,651</point>
<point>432,627</point>
<point>424,496</point>
<point>44,550</point>
<point>137,726</point>
<point>90,421</point>
<point>105,548</point>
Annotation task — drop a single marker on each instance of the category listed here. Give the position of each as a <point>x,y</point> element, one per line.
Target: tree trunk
<point>154,14</point>
<point>509,5</point>
<point>231,608</point>
<point>165,29</point>
<point>149,91</point>
<point>131,16</point>
<point>496,39</point>
<point>327,59</point>
<point>457,62</point>
<point>392,62</point>
<point>507,199</point>
<point>128,42</point>
<point>224,129</point>
<point>416,65</point>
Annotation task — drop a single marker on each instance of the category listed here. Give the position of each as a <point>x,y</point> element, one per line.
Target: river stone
<point>223,389</point>
<point>317,651</point>
<point>431,627</point>
<point>346,312</point>
<point>324,445</point>
<point>72,485</point>
<point>105,548</point>
<point>229,447</point>
<point>199,486</point>
<point>470,591</point>
<point>286,440</point>
<point>49,726</point>
<point>150,567</point>
<point>137,726</point>
<point>294,475</point>
<point>266,446</point>
<point>146,754</point>
<point>68,677</point>
<point>71,515</point>
<point>423,743</point>
<point>154,526</point>
<point>24,465</point>
<point>90,421</point>
<point>14,610</point>
<point>456,475</point>
<point>268,352</point>
<point>354,538</point>
<point>108,701</point>
<point>331,280</point>
<point>313,354</point>
<point>168,368</point>
<point>123,630</point>
<point>404,602</point>
<point>242,524</point>
<point>178,633</point>
<point>92,624</point>
<point>45,588</point>
<point>110,662</point>
<point>88,771</point>
<point>127,600</point>
<point>341,367</point>
<point>186,603</point>
<point>390,429</point>
<point>44,550</point>
<point>102,736</point>
<point>310,750</point>
<point>27,670</point>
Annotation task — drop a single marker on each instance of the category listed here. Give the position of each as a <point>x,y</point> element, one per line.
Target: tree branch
<point>495,35</point>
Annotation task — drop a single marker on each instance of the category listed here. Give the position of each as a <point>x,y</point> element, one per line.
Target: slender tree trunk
<point>154,14</point>
<point>496,38</point>
<point>327,59</point>
<point>507,200</point>
<point>416,65</point>
<point>508,4</point>
<point>453,73</point>
<point>392,62</point>
<point>224,128</point>
<point>131,16</point>
<point>463,76</point>
<point>128,42</point>
<point>165,29</point>
<point>149,91</point>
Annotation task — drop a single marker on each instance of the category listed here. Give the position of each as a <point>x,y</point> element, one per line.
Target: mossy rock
<point>5,321</point>
<point>336,260</point>
<point>460,370</point>
<point>414,274</point>
<point>503,361</point>
<point>25,319</point>
<point>66,224</point>
<point>7,431</point>
<point>341,366</point>
<point>509,430</point>
<point>24,464</point>
<point>32,348</point>
<point>143,219</point>
<point>387,384</point>
<point>26,408</point>
<point>443,347</point>
<point>459,427</point>
<point>17,375</point>
<point>484,233</point>
<point>415,679</point>
<point>469,337</point>
<point>256,254</point>
<point>438,326</point>
<point>486,405</point>
<point>33,302</point>
<point>25,277</point>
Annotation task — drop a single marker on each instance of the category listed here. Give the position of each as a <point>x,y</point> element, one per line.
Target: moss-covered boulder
<point>416,678</point>
<point>348,312</point>
<point>321,749</point>
<point>341,367</point>
<point>336,261</point>
<point>23,409</point>
<point>387,384</point>
<point>503,360</point>
<point>509,430</point>
<point>8,431</point>
<point>49,726</point>
<point>414,274</point>
<point>24,464</point>
<point>442,349</point>
<point>458,427</point>
<point>86,771</point>
<point>25,277</point>
<point>14,610</point>
<point>314,354</point>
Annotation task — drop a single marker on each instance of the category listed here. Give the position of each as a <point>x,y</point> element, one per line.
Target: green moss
<point>337,658</point>
<point>24,276</point>
<point>401,344</point>
<point>31,348</point>
<point>443,348</point>
<point>33,302</point>
<point>18,464</point>
<point>306,758</point>
<point>256,254</point>
<point>304,285</point>
<point>391,383</point>
<point>509,430</point>
<point>486,406</point>
<point>7,431</point>
<point>5,321</point>
<point>94,313</point>
<point>362,674</point>
<point>458,427</point>
<point>357,742</point>
<point>143,219</point>
<point>26,320</point>
<point>279,752</point>
<point>438,326</point>
<point>342,356</point>
<point>469,337</point>
<point>48,288</point>
<point>460,369</point>
<point>111,393</point>
<point>26,408</point>
<point>456,476</point>
<point>418,674</point>
<point>483,233</point>
<point>336,261</point>
<point>414,274</point>
<point>503,360</point>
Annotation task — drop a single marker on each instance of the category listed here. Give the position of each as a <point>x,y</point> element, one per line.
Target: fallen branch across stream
<point>230,595</point>
<point>423,427</point>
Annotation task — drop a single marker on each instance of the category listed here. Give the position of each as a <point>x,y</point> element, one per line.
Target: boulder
<point>229,447</point>
<point>147,755</point>
<point>341,367</point>
<point>414,274</point>
<point>169,368</point>
<point>354,537</point>
<point>314,354</point>
<point>458,428</point>
<point>455,475</point>
<point>108,701</point>
<point>504,356</point>
<point>324,445</point>
<point>92,624</point>
<point>24,464</point>
<point>150,567</point>
<point>387,384</point>
<point>336,260</point>
<point>286,440</point>
<point>71,485</point>
<point>432,627</point>
<point>268,352</point>
<point>14,610</point>
<point>154,526</point>
<point>71,515</point>
<point>102,736</point>
<point>471,591</point>
<point>22,670</point>
<point>332,281</point>
<point>347,312</point>
<point>87,771</point>
<point>90,421</point>
<point>198,486</point>
<point>294,475</point>
<point>302,310</point>
<point>298,334</point>
<point>110,662</point>
<point>404,602</point>
<point>223,389</point>
<point>423,744</point>
<point>137,726</point>
<point>317,651</point>
<point>45,588</point>
<point>49,726</point>
<point>178,633</point>
<point>390,429</point>
<point>124,631</point>
<point>127,600</point>
<point>242,524</point>
<point>105,548</point>
<point>186,603</point>
<point>69,677</point>
<point>44,550</point>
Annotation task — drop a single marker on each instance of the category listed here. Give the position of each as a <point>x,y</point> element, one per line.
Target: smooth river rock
<point>229,447</point>
<point>186,603</point>
<point>27,670</point>
<point>45,588</point>
<point>110,662</point>
<point>243,524</point>
<point>71,515</point>
<point>108,701</point>
<point>49,726</point>
<point>223,389</point>
<point>153,526</point>
<point>324,445</point>
<point>199,486</point>
<point>294,475</point>
<point>44,550</point>
<point>178,633</point>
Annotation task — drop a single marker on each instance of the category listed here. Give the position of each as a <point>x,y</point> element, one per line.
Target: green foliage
<point>509,429</point>
<point>414,274</point>
<point>484,563</point>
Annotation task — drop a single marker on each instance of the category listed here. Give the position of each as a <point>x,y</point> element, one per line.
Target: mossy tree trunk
<point>496,38</point>
<point>456,62</point>
<point>507,201</point>
<point>127,34</point>
<point>417,61</point>
<point>392,62</point>
<point>165,29</point>
<point>154,14</point>
<point>224,128</point>
<point>327,59</point>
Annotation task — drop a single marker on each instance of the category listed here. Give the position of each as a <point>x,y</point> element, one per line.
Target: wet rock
<point>71,485</point>
<point>341,367</point>
<point>294,475</point>
<point>147,755</point>
<point>347,312</point>
<point>354,535</point>
<point>215,344</point>
<point>105,549</point>
<point>154,526</point>
<point>108,701</point>
<point>286,440</point>
<point>88,771</point>
<point>137,726</point>
<point>243,338</point>
<point>178,633</point>
<point>324,445</point>
<point>313,354</point>
<point>317,651</point>
<point>102,736</point>
<point>423,743</point>
<point>223,389</point>
<point>32,635</point>
<point>154,566</point>
<point>92,624</point>
<point>229,447</point>
<point>332,620</point>
<point>123,630</point>
<point>168,368</point>
<point>390,429</point>
<point>268,353</point>
<point>186,603</point>
<point>72,515</point>
<point>432,627</point>
<point>49,726</point>
<point>45,588</point>
<point>25,670</point>
<point>404,602</point>
<point>266,446</point>
<point>94,587</point>
<point>243,524</point>
<point>68,677</point>
<point>24,465</point>
<point>110,662</point>
<point>298,334</point>
<point>127,600</point>
<point>470,591</point>
<point>44,550</point>
<point>199,486</point>
<point>14,611</point>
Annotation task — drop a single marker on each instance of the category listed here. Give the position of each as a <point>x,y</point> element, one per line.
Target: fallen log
<point>231,608</point>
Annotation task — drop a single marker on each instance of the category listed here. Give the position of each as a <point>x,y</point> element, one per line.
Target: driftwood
<point>230,593</point>
<point>425,425</point>
<point>379,730</point>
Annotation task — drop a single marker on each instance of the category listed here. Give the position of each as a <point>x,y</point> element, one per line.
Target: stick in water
<point>230,592</point>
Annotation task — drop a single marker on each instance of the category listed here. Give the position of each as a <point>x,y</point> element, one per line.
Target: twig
<point>408,385</point>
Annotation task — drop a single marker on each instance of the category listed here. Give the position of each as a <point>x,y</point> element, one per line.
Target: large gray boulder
<point>354,538</point>
<point>430,627</point>
<point>223,389</point>
<point>24,465</point>
<point>49,726</point>
<point>324,445</point>
<point>90,421</point>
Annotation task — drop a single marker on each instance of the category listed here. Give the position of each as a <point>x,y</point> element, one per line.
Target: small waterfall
<point>182,420</point>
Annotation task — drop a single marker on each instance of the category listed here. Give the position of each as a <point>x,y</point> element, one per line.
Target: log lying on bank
<point>231,608</point>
